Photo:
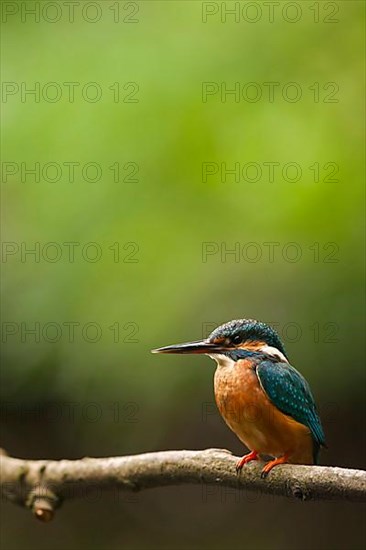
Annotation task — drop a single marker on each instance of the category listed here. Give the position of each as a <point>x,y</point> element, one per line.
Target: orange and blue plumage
<point>262,398</point>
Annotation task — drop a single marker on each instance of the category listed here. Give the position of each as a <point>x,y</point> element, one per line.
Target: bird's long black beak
<point>191,347</point>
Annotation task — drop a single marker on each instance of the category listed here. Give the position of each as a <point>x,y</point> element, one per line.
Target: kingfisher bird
<point>265,401</point>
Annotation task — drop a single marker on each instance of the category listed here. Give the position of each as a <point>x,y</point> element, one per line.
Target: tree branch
<point>42,485</point>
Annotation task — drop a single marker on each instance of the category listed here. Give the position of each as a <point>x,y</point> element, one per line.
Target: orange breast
<point>254,419</point>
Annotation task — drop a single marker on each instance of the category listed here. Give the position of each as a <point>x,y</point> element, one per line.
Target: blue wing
<point>290,393</point>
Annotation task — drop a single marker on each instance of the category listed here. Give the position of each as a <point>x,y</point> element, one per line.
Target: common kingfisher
<point>265,401</point>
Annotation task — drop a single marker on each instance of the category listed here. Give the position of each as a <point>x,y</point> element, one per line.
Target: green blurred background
<point>73,397</point>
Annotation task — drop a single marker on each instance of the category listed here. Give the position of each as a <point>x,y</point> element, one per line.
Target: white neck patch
<point>274,352</point>
<point>222,360</point>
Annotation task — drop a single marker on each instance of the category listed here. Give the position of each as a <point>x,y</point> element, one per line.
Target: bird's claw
<point>271,464</point>
<point>245,459</point>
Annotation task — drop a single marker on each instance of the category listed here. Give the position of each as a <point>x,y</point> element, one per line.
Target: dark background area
<point>101,392</point>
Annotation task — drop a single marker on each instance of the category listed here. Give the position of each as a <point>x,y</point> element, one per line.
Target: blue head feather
<point>247,330</point>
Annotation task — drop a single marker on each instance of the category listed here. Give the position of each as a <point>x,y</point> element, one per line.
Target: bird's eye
<point>236,339</point>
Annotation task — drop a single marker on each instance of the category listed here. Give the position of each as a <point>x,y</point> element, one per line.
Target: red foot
<point>272,463</point>
<point>253,455</point>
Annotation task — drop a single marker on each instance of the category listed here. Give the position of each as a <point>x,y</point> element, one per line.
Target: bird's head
<point>228,339</point>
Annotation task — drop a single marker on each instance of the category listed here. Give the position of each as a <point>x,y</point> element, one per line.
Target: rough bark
<point>42,485</point>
